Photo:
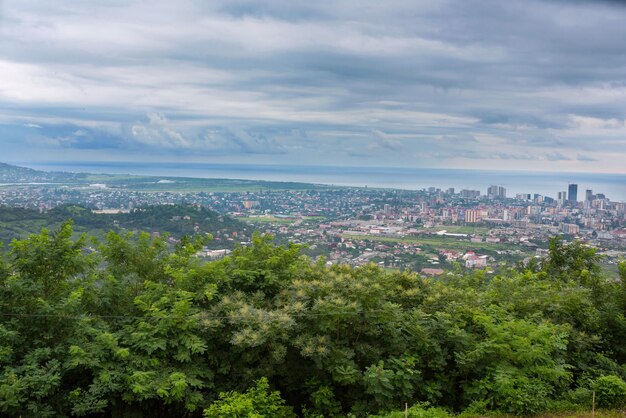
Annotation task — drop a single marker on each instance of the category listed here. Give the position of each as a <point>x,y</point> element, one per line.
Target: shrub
<point>610,391</point>
<point>257,402</point>
<point>418,411</point>
<point>580,396</point>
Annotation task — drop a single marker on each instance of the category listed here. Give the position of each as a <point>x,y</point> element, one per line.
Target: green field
<point>266,220</point>
<point>194,185</point>
<point>447,243</point>
<point>614,413</point>
<point>185,188</point>
<point>463,229</point>
<point>275,220</point>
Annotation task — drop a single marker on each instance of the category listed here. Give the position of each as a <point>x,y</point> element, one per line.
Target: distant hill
<point>174,220</point>
<point>16,174</point>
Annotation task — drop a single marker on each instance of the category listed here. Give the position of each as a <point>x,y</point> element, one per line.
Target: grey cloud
<point>556,156</point>
<point>507,156</point>
<point>459,140</point>
<point>582,157</point>
<point>291,11</point>
<point>332,81</point>
<point>254,142</point>
<point>385,141</point>
<point>158,132</point>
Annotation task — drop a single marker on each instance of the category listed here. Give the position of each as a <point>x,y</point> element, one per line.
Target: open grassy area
<point>194,185</point>
<point>602,413</point>
<point>463,229</point>
<point>586,414</point>
<point>103,178</point>
<point>275,220</point>
<point>188,188</point>
<point>151,183</point>
<point>448,243</point>
<point>266,220</point>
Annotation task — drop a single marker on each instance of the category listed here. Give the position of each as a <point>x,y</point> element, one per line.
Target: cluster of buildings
<point>395,228</point>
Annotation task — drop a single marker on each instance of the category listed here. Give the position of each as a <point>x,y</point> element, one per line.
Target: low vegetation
<point>134,327</point>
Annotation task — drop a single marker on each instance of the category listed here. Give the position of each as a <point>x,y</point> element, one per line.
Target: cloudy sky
<point>434,83</point>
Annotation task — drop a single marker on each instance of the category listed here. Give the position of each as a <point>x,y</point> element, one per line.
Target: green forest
<point>176,220</point>
<point>133,326</point>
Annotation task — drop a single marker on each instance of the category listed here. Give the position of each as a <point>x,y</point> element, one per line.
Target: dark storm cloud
<point>432,82</point>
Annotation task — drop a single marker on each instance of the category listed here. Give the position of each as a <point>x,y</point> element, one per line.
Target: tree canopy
<point>133,326</point>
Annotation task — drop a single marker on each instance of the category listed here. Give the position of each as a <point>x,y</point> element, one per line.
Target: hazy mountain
<point>15,174</point>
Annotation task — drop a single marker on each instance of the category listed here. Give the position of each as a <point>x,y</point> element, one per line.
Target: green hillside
<point>15,174</point>
<point>171,219</point>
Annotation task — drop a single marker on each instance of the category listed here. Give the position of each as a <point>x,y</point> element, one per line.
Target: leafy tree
<point>137,325</point>
<point>40,298</point>
<point>573,261</point>
<point>257,402</point>
<point>262,267</point>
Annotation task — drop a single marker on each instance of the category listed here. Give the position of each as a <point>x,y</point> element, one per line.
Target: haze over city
<point>533,85</point>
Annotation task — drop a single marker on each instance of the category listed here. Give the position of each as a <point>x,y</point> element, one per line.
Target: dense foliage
<point>132,327</point>
<point>176,220</point>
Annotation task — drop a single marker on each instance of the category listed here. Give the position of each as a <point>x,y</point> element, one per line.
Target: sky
<point>522,85</point>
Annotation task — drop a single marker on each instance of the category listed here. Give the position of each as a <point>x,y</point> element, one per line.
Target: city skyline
<point>517,85</point>
<point>473,189</point>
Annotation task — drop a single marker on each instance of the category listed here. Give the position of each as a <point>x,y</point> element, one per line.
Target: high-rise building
<point>496,192</point>
<point>588,195</point>
<point>572,193</point>
<point>470,194</point>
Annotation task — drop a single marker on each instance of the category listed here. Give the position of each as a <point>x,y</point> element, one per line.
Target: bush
<point>258,402</point>
<point>564,406</point>
<point>524,397</point>
<point>478,407</point>
<point>418,411</point>
<point>580,396</point>
<point>610,391</point>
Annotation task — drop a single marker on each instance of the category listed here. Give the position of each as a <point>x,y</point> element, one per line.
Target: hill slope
<point>16,174</point>
<point>18,223</point>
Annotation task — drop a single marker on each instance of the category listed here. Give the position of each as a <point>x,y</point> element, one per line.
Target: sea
<point>544,183</point>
